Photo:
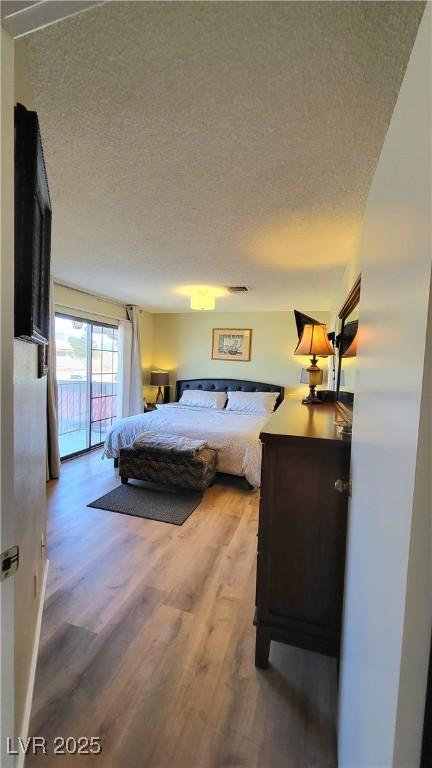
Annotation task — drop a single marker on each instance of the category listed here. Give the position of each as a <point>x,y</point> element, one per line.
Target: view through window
<point>87,379</point>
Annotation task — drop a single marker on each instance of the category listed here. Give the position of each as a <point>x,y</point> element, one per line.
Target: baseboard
<point>32,674</point>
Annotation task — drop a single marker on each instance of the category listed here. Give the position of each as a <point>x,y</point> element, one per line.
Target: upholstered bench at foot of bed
<point>175,469</point>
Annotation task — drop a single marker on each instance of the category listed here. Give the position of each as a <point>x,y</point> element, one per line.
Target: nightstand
<point>149,407</point>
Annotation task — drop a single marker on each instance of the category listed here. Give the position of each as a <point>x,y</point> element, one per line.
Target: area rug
<point>153,502</point>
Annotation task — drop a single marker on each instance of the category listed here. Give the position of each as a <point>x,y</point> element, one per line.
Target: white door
<point>387,592</point>
<point>6,394</point>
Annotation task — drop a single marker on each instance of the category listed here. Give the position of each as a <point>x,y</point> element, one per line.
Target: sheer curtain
<point>53,450</point>
<point>130,372</point>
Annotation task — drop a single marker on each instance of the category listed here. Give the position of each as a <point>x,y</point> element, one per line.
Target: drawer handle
<point>343,487</point>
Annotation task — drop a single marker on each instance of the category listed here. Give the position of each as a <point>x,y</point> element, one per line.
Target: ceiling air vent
<point>237,288</point>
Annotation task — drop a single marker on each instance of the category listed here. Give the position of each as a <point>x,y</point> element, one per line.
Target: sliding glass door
<point>73,383</point>
<point>104,372</point>
<point>87,373</point>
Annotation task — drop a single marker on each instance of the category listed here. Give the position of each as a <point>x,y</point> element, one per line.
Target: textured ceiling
<point>222,143</point>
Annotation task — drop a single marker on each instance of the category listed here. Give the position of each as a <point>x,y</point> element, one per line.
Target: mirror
<point>346,345</point>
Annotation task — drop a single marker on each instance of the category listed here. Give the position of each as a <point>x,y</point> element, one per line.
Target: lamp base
<point>159,396</point>
<point>311,400</point>
<point>315,377</point>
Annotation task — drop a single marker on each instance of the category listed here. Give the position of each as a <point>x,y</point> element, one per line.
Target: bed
<point>235,436</point>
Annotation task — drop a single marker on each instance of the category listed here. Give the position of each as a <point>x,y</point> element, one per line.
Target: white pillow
<point>252,402</point>
<point>203,399</point>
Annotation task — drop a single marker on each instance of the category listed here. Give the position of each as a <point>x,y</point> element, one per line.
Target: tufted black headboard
<point>228,385</point>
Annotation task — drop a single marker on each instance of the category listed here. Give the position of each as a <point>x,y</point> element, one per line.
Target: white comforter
<point>235,436</point>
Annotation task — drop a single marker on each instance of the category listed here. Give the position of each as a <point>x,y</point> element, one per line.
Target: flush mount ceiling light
<point>202,299</point>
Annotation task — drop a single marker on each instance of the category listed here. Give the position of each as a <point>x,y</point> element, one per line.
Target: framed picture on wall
<point>232,344</point>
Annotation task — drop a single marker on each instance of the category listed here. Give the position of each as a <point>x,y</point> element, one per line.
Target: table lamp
<point>314,341</point>
<point>159,379</point>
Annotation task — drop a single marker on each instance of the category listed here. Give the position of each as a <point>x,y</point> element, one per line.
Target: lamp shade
<point>159,378</point>
<point>314,341</point>
<point>352,349</point>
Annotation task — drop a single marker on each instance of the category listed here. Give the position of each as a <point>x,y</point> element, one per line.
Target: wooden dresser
<point>302,529</point>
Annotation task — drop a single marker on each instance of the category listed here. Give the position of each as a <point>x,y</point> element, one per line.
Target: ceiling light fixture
<point>202,300</point>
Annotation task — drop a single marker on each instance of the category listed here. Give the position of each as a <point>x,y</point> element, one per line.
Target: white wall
<point>385,639</point>
<point>182,345</point>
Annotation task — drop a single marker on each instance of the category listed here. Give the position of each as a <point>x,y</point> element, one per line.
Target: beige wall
<point>388,607</point>
<point>74,302</point>
<point>182,345</point>
<point>71,301</point>
<point>29,475</point>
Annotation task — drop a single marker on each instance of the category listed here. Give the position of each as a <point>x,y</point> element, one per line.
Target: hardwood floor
<point>148,643</point>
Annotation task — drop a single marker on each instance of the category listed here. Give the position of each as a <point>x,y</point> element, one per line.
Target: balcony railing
<point>73,404</point>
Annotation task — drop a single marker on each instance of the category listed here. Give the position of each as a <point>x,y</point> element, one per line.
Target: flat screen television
<point>349,332</point>
<point>301,320</point>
